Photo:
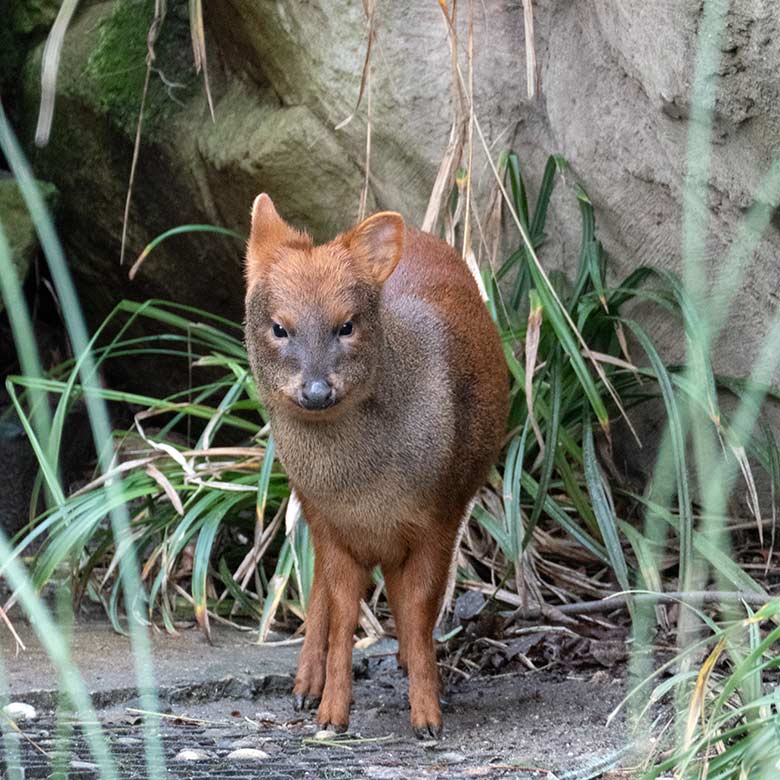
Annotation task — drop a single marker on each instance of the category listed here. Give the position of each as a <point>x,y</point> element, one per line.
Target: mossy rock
<point>117,66</point>
<point>23,25</point>
<point>18,225</point>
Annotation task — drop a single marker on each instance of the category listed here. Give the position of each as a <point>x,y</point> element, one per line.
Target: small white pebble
<point>451,757</point>
<point>191,755</point>
<point>248,754</point>
<point>128,741</point>
<point>325,734</point>
<point>18,710</point>
<point>84,765</point>
<point>265,715</point>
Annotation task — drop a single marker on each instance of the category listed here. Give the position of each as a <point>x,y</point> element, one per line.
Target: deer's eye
<point>279,331</point>
<point>346,329</point>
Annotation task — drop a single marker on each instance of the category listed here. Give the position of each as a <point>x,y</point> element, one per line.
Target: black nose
<point>317,394</point>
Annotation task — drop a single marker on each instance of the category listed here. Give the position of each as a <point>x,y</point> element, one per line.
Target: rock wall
<point>614,99</point>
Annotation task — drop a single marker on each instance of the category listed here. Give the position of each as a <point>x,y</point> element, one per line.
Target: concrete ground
<point>234,696</point>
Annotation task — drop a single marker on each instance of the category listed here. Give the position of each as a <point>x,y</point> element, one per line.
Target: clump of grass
<point>551,473</point>
<point>211,516</point>
<point>730,713</point>
<point>189,498</point>
<point>43,430</point>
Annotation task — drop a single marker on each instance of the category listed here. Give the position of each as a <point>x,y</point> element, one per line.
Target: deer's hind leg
<point>415,589</point>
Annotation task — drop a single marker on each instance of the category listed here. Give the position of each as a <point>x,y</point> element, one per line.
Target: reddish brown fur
<point>385,474</point>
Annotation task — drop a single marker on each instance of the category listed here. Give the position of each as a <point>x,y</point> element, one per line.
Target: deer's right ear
<point>269,232</point>
<point>378,242</point>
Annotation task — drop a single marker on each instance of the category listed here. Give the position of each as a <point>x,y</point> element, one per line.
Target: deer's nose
<point>316,394</point>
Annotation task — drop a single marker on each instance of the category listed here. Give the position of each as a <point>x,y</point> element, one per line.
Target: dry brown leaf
<point>167,487</point>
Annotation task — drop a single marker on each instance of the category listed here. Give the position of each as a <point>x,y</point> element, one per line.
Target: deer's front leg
<point>310,679</point>
<point>346,582</point>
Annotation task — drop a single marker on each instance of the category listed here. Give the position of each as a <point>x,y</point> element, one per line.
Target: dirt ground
<point>235,695</point>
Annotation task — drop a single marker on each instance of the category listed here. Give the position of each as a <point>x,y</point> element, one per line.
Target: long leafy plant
<point>212,518</point>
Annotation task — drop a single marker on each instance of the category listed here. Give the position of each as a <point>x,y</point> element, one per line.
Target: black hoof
<point>304,701</point>
<point>430,731</point>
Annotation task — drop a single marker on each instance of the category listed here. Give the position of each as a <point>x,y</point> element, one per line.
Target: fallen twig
<point>621,601</point>
<point>15,726</point>
<point>173,716</point>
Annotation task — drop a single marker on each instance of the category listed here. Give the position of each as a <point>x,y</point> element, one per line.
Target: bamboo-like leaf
<point>554,167</point>
<point>276,588</point>
<point>495,530</point>
<point>177,231</point>
<point>569,344</point>
<point>513,469</point>
<point>677,438</point>
<point>648,567</point>
<point>166,485</point>
<point>531,350</point>
<point>238,594</point>
<point>726,567</point>
<point>160,405</point>
<point>49,474</point>
<point>550,448</point>
<point>559,516</point>
<point>604,508</point>
<point>201,560</point>
<point>517,186</point>
<point>264,480</point>
<point>696,706</point>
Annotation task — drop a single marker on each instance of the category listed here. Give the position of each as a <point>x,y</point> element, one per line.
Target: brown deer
<point>387,392</point>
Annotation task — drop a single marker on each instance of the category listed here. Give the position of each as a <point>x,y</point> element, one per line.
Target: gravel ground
<point>235,697</point>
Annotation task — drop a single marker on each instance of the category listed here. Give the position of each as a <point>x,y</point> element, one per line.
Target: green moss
<point>23,26</point>
<point>34,16</point>
<point>117,65</point>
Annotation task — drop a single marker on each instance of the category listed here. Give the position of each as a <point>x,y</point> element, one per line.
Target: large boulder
<point>614,99</point>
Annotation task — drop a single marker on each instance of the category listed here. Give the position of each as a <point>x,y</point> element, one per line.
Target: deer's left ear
<point>378,243</point>
<point>269,232</point>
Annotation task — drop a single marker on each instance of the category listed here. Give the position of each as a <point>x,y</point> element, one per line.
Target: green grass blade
<point>569,344</point>
<point>517,185</point>
<point>201,560</point>
<point>276,588</point>
<point>550,448</point>
<point>249,607</point>
<point>604,508</point>
<point>677,437</point>
<point>513,469</point>
<point>555,165</point>
<point>495,530</point>
<point>552,508</point>
<point>152,245</point>
<point>98,418</point>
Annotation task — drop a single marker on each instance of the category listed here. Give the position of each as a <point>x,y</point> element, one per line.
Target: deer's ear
<point>378,243</point>
<point>269,232</point>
